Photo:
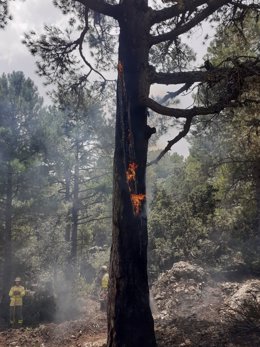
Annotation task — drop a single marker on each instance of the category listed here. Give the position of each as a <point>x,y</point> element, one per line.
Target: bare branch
<point>101,6</point>
<point>188,76</point>
<point>93,219</point>
<point>212,6</point>
<point>246,68</point>
<point>80,42</point>
<point>184,113</point>
<point>183,133</point>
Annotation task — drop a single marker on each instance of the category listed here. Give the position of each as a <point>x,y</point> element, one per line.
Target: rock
<point>158,297</point>
<point>178,289</point>
<point>186,343</point>
<point>248,291</point>
<point>186,270</point>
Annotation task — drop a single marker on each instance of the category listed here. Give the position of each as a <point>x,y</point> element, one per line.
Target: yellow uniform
<point>103,291</point>
<point>104,281</point>
<point>16,295</point>
<point>17,292</point>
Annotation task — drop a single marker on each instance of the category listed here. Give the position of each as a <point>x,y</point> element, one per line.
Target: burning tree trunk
<point>130,322</point>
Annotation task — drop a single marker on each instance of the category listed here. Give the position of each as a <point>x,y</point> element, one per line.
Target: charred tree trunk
<point>130,322</point>
<point>7,271</point>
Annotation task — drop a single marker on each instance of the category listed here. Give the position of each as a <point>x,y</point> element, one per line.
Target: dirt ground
<point>190,308</point>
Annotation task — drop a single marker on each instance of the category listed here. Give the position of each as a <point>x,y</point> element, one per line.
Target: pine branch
<point>212,6</point>
<point>175,10</point>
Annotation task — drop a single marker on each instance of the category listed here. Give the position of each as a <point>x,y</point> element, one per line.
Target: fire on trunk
<point>131,172</point>
<point>136,199</point>
<point>137,202</point>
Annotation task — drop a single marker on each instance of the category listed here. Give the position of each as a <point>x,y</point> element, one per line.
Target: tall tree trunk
<point>75,208</point>
<point>68,271</point>
<point>67,200</point>
<point>7,273</point>
<point>130,322</point>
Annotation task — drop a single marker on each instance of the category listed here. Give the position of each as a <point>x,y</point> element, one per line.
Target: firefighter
<point>17,292</point>
<point>104,288</point>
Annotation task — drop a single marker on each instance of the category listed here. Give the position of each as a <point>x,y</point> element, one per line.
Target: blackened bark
<point>7,271</point>
<point>130,323</point>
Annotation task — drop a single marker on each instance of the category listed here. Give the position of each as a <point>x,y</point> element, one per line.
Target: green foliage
<point>178,217</point>
<point>47,150</point>
<point>208,209</point>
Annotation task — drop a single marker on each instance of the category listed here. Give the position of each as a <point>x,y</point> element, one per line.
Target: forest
<point>89,185</point>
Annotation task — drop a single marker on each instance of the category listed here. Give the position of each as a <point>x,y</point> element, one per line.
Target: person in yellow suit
<point>17,292</point>
<point>104,288</point>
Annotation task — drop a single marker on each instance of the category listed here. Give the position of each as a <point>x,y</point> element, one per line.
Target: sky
<point>33,15</point>
<point>28,15</point>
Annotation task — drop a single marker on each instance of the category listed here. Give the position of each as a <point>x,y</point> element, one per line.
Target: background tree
<point>83,180</point>
<point>235,148</point>
<point>20,108</point>
<point>215,187</point>
<point>181,211</point>
<point>44,151</point>
<point>143,30</point>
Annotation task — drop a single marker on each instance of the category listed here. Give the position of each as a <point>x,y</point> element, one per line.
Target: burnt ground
<point>196,310</point>
<point>191,309</point>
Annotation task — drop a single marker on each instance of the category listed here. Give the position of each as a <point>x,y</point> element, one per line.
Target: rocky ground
<point>191,309</point>
<point>195,310</point>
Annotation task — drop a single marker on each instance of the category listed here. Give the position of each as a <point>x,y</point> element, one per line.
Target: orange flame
<point>131,172</point>
<point>137,201</point>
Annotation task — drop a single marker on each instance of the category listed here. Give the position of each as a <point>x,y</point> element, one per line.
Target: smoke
<point>69,297</point>
<point>58,298</point>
